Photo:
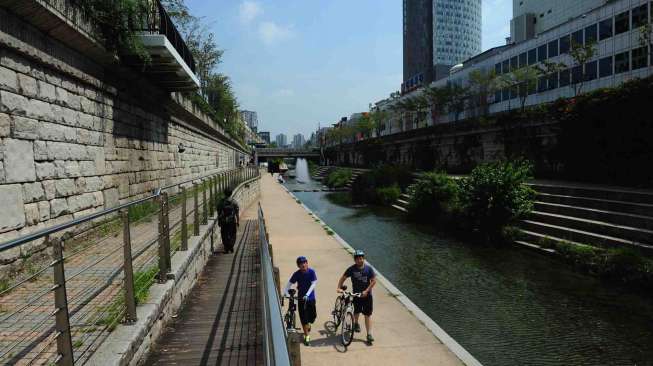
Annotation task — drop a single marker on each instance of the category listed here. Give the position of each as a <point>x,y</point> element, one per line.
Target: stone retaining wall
<point>77,137</point>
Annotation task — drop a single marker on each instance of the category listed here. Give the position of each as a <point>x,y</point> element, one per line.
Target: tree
<point>437,100</point>
<point>454,97</point>
<point>646,37</point>
<point>365,125</point>
<point>524,79</point>
<point>580,54</point>
<point>379,119</point>
<point>481,85</point>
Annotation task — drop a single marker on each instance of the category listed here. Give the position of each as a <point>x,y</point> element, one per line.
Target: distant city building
<point>251,118</point>
<point>532,17</point>
<point>298,141</point>
<point>265,136</point>
<point>438,34</point>
<point>281,140</point>
<point>614,28</point>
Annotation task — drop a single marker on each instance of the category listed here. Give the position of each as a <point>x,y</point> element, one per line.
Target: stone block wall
<point>74,141</point>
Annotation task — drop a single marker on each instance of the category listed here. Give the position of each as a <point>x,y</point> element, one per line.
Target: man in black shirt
<point>363,279</point>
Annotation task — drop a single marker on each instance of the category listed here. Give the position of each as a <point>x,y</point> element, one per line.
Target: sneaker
<point>370,339</point>
<point>307,340</point>
<point>357,328</point>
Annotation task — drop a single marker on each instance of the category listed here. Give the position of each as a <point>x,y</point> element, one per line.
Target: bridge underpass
<point>265,154</point>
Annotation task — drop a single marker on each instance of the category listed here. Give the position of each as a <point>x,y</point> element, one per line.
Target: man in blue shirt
<point>363,279</point>
<point>306,280</point>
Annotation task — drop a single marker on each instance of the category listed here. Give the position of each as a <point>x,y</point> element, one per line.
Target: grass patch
<point>78,343</point>
<point>328,230</point>
<point>114,312</point>
<point>4,284</point>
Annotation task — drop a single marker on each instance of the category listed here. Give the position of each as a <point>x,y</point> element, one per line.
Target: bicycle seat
<point>291,292</point>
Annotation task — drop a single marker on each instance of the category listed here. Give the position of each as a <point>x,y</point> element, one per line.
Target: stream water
<point>506,306</point>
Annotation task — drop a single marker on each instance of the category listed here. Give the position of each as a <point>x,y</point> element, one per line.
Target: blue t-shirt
<point>304,281</point>
<point>360,277</point>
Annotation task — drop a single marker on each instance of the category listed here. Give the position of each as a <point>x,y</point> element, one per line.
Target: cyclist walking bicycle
<point>306,280</point>
<point>363,280</point>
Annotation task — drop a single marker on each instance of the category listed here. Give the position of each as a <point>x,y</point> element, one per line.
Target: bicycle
<point>289,318</point>
<point>343,313</point>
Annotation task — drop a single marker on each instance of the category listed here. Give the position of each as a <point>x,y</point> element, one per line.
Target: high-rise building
<point>532,17</point>
<point>265,136</point>
<point>438,34</point>
<point>282,140</point>
<point>298,141</point>
<point>251,118</point>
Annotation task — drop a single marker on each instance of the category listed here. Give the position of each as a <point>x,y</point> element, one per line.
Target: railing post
<point>211,202</point>
<point>62,321</point>
<point>167,231</point>
<point>163,269</point>
<point>196,212</point>
<point>184,221</point>
<point>205,211</point>
<point>130,298</point>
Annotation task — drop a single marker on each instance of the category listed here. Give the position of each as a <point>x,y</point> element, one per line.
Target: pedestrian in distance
<point>229,220</point>
<point>306,280</point>
<point>363,280</point>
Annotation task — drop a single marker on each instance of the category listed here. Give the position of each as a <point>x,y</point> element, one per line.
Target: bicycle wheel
<point>337,310</point>
<point>347,330</point>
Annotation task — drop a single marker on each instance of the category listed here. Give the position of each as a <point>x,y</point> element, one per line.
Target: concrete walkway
<point>401,339</point>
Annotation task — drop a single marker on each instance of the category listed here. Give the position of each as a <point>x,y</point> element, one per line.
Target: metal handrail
<point>65,310</point>
<point>52,230</point>
<point>275,347</point>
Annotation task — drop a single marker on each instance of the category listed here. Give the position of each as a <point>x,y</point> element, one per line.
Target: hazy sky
<point>303,62</point>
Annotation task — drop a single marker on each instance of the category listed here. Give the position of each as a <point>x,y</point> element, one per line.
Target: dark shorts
<point>307,314</point>
<point>363,305</point>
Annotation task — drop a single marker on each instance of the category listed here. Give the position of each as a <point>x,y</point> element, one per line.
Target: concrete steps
<point>591,215</point>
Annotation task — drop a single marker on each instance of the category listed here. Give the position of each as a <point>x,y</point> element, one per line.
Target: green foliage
<point>367,188</point>
<point>494,196</point>
<point>118,22</point>
<point>388,195</point>
<point>338,178</point>
<point>433,195</point>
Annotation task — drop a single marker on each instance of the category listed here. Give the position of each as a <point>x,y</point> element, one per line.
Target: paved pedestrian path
<point>220,323</point>
<point>401,339</point>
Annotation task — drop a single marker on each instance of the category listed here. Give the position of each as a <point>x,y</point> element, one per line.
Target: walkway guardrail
<point>275,349</point>
<point>58,307</point>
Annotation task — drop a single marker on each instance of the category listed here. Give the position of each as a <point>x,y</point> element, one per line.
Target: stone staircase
<point>321,172</point>
<point>592,215</point>
<point>355,173</point>
<point>402,203</point>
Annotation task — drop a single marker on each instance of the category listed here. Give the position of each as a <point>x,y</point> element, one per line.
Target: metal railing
<point>275,338</point>
<point>60,308</point>
<point>157,21</point>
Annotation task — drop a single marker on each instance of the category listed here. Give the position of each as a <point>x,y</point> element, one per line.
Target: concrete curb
<point>429,323</point>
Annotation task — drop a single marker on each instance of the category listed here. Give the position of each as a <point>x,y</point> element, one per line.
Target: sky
<point>300,63</point>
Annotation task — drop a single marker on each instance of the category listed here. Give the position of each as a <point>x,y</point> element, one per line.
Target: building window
<point>513,92</point>
<point>553,48</point>
<point>621,23</point>
<point>640,57</point>
<point>514,64</point>
<point>590,34</point>
<point>522,59</point>
<point>497,68</point>
<point>564,77</point>
<point>541,53</point>
<point>577,74</point>
<point>553,80</point>
<point>590,70</point>
<point>605,66</point>
<point>577,37</point>
<point>505,65</point>
<point>621,62</point>
<point>640,16</point>
<point>565,42</point>
<point>541,84</point>
<point>532,56</point>
<point>605,29</point>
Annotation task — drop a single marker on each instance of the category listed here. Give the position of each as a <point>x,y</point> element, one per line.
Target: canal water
<point>506,306</point>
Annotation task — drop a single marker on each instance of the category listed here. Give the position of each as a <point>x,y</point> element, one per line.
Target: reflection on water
<point>505,306</point>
